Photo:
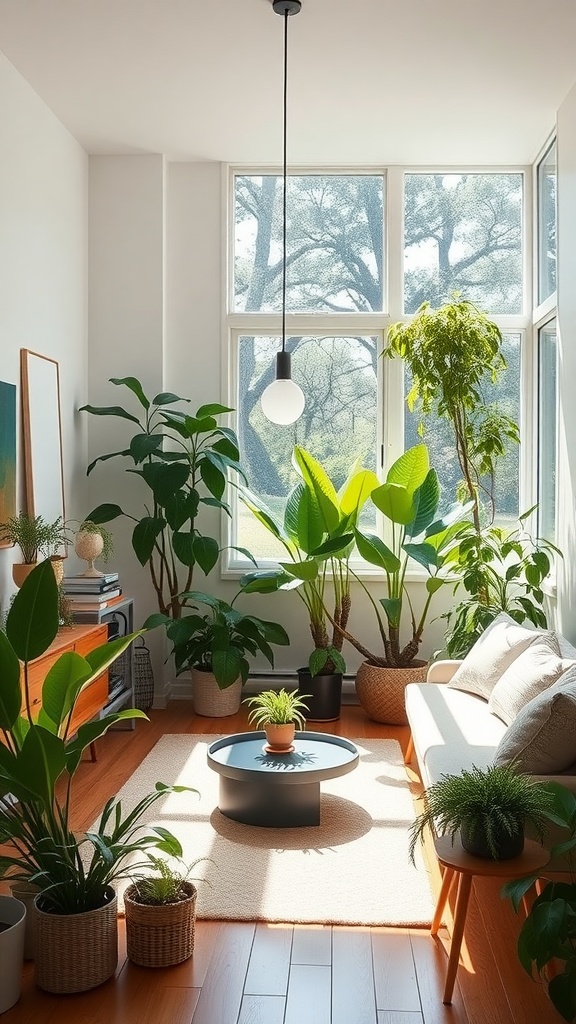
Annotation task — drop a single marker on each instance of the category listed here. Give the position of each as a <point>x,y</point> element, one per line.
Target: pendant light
<point>283,401</point>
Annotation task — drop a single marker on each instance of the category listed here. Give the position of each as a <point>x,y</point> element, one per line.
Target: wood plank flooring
<point>248,973</point>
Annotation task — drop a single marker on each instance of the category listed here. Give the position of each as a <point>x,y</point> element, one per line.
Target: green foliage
<point>183,460</point>
<point>40,753</point>
<point>317,533</point>
<point>549,930</point>
<point>409,500</point>
<point>487,801</point>
<point>500,571</point>
<point>277,707</point>
<point>171,883</point>
<point>452,352</point>
<point>219,641</point>
<point>34,536</point>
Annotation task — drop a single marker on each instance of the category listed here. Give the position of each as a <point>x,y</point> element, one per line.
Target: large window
<point>547,431</point>
<point>463,233</point>
<point>460,232</point>
<point>546,233</point>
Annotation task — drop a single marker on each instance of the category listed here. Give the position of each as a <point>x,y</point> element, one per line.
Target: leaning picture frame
<point>42,436</point>
<point>7,454</point>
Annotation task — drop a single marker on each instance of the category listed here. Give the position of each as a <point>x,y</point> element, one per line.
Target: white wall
<point>43,269</point>
<point>567,365</point>
<point>126,315</point>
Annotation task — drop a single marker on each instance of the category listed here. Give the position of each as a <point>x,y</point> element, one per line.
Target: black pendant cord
<point>284,174</point>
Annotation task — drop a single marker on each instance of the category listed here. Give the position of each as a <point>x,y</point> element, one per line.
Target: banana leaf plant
<point>317,533</point>
<point>184,460</point>
<point>40,755</point>
<point>408,500</point>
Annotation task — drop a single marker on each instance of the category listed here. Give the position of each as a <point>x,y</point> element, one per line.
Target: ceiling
<point>370,81</point>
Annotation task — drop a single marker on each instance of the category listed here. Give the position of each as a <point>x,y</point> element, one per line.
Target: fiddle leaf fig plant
<point>184,460</point>
<point>317,533</point>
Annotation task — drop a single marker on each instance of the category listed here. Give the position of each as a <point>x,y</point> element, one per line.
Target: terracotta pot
<point>20,570</point>
<point>210,700</point>
<point>381,690</point>
<point>280,737</point>
<point>160,936</point>
<point>76,952</point>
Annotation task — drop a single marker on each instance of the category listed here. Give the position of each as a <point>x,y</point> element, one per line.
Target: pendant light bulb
<point>283,400</point>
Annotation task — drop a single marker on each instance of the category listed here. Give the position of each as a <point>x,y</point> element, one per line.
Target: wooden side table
<point>461,867</point>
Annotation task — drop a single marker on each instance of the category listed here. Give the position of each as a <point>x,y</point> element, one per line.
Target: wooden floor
<point>243,973</point>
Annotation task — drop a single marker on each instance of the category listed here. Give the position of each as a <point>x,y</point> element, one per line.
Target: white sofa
<point>453,729</point>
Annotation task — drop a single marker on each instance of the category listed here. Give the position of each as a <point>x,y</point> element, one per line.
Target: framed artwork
<point>7,454</point>
<point>42,436</point>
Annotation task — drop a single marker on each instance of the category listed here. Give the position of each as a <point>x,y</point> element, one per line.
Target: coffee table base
<point>259,803</point>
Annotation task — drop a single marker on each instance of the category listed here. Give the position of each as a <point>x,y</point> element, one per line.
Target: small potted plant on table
<point>35,538</point>
<point>279,713</point>
<point>489,809</point>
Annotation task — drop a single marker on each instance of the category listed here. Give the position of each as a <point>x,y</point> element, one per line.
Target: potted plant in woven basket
<point>161,914</point>
<point>408,501</point>
<point>279,713</point>
<point>214,647</point>
<point>76,908</point>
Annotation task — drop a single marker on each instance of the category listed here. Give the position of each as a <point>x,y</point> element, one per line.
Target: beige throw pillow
<point>534,670</point>
<point>491,655</point>
<point>542,737</point>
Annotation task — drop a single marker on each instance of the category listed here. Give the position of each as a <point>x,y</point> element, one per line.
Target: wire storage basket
<point>143,676</point>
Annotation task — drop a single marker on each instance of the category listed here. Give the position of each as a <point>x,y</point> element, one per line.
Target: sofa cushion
<point>451,730</point>
<point>542,737</point>
<point>534,670</point>
<point>491,655</point>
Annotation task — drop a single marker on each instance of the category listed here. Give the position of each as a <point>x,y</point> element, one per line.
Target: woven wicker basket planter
<point>210,700</point>
<point>160,936</point>
<point>381,690</point>
<point>76,952</point>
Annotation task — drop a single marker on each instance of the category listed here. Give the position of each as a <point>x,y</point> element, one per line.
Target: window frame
<point>390,408</point>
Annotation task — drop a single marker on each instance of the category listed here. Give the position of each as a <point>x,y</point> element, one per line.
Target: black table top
<point>316,756</point>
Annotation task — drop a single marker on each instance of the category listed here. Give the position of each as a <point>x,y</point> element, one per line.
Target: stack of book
<point>89,595</point>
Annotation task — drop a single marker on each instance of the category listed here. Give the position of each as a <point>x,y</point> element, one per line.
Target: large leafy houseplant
<point>408,500</point>
<point>317,533</point>
<point>39,758</point>
<point>184,460</point>
<point>219,640</point>
<point>454,354</point>
<point>548,935</point>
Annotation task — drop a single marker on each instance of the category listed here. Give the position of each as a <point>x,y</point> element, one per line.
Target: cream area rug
<point>353,868</point>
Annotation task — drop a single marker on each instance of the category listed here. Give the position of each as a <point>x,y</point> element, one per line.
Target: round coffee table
<point>277,790</point>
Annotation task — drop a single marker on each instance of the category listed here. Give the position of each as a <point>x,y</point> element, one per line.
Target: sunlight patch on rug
<point>353,868</point>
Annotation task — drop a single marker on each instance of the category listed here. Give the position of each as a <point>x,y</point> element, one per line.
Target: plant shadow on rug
<point>353,868</point>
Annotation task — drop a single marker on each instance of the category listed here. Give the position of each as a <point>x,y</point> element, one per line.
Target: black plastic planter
<point>326,690</point>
